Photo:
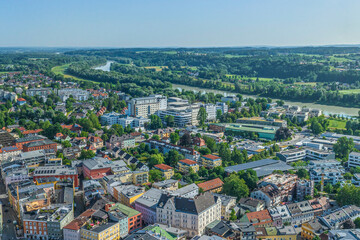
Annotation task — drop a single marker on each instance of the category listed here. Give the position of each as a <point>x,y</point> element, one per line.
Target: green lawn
<point>350,91</point>
<point>61,70</point>
<point>306,83</point>
<point>337,124</point>
<point>232,76</point>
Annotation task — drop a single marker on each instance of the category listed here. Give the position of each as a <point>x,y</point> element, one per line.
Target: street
<point>9,228</point>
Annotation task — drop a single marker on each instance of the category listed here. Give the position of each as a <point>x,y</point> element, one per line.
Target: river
<point>105,67</point>
<point>327,109</point>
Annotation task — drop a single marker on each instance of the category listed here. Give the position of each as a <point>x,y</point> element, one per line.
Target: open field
<point>306,83</point>
<point>233,76</point>
<point>337,124</point>
<point>61,70</point>
<point>350,91</point>
<point>157,68</point>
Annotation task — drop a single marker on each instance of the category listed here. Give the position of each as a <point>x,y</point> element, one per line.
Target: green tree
<point>233,215</point>
<point>155,122</point>
<point>357,222</point>
<point>174,138</point>
<point>156,137</point>
<point>236,187</point>
<point>302,173</point>
<point>343,147</point>
<point>202,116</point>
<point>316,128</point>
<point>282,133</point>
<point>170,121</point>
<point>156,159</point>
<point>186,140</point>
<point>66,144</point>
<point>155,175</point>
<point>86,154</point>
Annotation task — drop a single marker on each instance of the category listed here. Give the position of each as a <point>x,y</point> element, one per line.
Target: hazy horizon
<point>178,24</point>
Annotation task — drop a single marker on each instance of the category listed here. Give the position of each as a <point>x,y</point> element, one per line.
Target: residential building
<point>214,185</point>
<point>342,234</point>
<point>270,194</point>
<point>338,217</point>
<point>72,230</point>
<point>312,228</point>
<point>191,215</point>
<point>210,161</point>
<point>273,233</point>
<point>6,139</point>
<point>147,203</point>
<point>189,191</point>
<point>134,217</point>
<point>354,159</point>
<point>76,93</point>
<point>127,194</point>
<point>260,218</point>
<point>327,175</point>
<point>166,170</point>
<point>169,184</point>
<point>125,141</point>
<point>185,165</point>
<point>164,147</point>
<point>227,205</point>
<point>104,230</point>
<point>285,183</point>
<point>304,188</point>
<point>252,204</point>
<point>146,106</point>
<point>48,222</point>
<point>9,153</point>
<point>280,215</point>
<point>44,92</point>
<point>301,212</point>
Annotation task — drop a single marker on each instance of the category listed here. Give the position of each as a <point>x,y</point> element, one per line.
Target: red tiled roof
<point>78,222</point>
<point>188,161</point>
<point>21,100</point>
<point>259,217</point>
<point>212,184</point>
<point>31,131</point>
<point>163,166</point>
<point>212,157</point>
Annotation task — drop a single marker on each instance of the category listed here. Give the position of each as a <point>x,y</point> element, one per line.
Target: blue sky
<point>178,23</point>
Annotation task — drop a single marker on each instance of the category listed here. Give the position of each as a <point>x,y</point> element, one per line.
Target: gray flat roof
<point>262,167</point>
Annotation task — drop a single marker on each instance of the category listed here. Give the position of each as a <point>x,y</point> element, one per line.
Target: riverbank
<point>327,109</point>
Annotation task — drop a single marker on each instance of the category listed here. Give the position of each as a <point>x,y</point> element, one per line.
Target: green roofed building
<point>134,217</point>
<point>265,132</point>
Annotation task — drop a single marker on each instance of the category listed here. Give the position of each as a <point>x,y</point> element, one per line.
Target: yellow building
<point>127,194</point>
<point>105,231</point>
<point>186,164</point>
<point>311,229</point>
<point>273,233</point>
<point>166,170</point>
<point>140,177</point>
<point>211,161</point>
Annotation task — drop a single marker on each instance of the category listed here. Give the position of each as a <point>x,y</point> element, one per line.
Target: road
<point>8,214</point>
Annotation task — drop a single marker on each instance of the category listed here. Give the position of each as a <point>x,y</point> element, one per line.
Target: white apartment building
<point>78,94</point>
<point>211,111</point>
<point>354,159</point>
<point>146,106</point>
<point>191,215</point>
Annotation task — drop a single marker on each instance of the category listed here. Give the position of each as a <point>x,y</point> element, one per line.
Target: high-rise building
<point>146,106</point>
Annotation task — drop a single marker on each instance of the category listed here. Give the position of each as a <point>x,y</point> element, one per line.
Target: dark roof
<point>140,236</point>
<point>262,167</point>
<point>192,206</point>
<point>221,228</point>
<point>6,139</point>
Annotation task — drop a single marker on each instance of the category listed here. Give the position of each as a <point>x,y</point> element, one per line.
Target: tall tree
<point>202,115</point>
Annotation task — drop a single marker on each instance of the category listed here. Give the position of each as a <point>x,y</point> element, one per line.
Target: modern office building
<point>146,106</point>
